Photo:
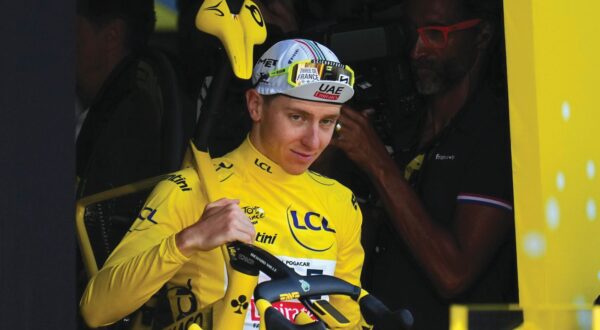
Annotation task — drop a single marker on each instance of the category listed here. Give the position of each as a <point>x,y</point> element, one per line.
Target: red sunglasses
<point>437,36</point>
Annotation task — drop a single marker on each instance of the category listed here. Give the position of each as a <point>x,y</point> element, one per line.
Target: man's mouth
<point>423,64</point>
<point>303,156</point>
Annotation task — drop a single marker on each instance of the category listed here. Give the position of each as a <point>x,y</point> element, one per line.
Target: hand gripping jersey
<point>310,222</point>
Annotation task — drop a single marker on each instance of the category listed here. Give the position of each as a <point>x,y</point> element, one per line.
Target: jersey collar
<point>260,165</point>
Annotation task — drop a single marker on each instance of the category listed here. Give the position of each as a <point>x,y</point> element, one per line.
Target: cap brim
<point>322,91</point>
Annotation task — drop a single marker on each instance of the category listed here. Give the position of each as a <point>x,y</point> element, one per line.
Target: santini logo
<point>179,180</point>
<point>311,230</point>
<point>265,239</point>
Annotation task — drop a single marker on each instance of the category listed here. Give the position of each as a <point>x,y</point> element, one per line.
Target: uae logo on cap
<point>329,92</point>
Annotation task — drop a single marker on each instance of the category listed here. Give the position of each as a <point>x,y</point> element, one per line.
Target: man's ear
<point>254,103</point>
<point>486,32</point>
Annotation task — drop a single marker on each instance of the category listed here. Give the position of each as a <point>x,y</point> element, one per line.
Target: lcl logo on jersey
<point>311,230</point>
<point>263,166</point>
<point>145,220</point>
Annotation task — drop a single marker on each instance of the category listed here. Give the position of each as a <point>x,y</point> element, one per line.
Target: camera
<point>378,55</point>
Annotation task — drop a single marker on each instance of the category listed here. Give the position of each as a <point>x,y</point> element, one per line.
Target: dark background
<point>37,237</point>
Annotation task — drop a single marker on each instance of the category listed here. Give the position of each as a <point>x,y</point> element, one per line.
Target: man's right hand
<point>360,142</point>
<point>222,222</point>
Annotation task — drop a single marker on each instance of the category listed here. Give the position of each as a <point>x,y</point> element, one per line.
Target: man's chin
<point>427,81</point>
<point>296,168</point>
<point>428,88</point>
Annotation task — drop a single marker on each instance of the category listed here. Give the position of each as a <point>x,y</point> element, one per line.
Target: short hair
<point>490,10</point>
<point>138,15</point>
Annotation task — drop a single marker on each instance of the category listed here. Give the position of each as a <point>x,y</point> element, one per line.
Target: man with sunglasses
<point>449,233</point>
<point>310,222</point>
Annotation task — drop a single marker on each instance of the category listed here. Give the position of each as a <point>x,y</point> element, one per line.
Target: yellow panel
<point>558,317</point>
<point>525,144</point>
<point>459,317</point>
<point>553,49</point>
<point>166,18</point>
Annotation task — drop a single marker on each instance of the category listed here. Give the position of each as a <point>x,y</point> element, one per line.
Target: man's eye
<point>327,122</point>
<point>295,117</point>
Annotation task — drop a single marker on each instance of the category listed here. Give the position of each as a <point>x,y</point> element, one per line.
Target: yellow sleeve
<point>147,257</point>
<point>350,258</point>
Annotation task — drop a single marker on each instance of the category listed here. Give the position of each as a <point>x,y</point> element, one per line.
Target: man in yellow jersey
<point>310,222</point>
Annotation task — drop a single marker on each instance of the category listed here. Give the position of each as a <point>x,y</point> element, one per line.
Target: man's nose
<point>311,136</point>
<point>419,49</point>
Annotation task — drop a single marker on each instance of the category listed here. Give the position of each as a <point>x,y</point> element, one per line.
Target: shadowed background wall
<point>37,237</point>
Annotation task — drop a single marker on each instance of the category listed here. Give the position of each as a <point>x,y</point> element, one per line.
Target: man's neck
<point>446,105</point>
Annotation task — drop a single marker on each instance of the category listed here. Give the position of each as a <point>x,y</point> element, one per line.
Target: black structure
<point>37,237</point>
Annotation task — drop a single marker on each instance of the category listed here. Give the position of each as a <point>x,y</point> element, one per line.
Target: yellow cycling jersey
<point>310,222</point>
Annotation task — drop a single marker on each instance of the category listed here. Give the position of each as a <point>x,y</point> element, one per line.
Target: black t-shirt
<point>119,143</point>
<point>469,162</point>
<point>120,140</point>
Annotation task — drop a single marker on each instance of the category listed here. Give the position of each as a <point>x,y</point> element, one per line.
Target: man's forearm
<point>119,289</point>
<point>435,248</point>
